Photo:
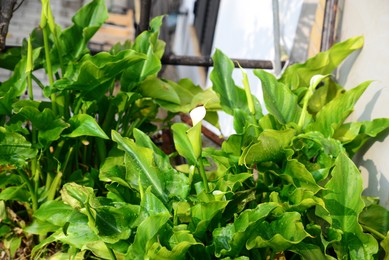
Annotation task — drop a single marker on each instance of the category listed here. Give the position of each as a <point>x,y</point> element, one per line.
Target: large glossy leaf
<point>50,217</point>
<point>77,234</point>
<point>159,90</point>
<point>342,196</point>
<point>280,101</point>
<point>148,44</point>
<point>76,196</point>
<point>231,239</point>
<point>154,216</point>
<point>309,251</point>
<point>112,222</point>
<point>10,57</point>
<point>269,147</point>
<point>179,242</point>
<point>202,215</point>
<point>182,142</point>
<point>140,166</point>
<point>17,193</point>
<point>333,114</point>
<point>15,149</point>
<point>85,125</point>
<point>95,73</point>
<point>296,173</point>
<point>231,96</point>
<point>86,22</point>
<point>48,125</point>
<point>360,133</point>
<point>279,234</point>
<point>190,96</point>
<point>12,88</point>
<point>375,217</point>
<point>299,75</point>
<point>113,168</point>
<point>175,183</point>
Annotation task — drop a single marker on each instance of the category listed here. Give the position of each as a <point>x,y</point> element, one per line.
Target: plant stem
<point>30,187</point>
<point>67,159</point>
<point>53,187</point>
<point>250,100</point>
<point>203,175</point>
<point>37,81</point>
<point>49,68</point>
<point>101,149</point>
<point>373,231</point>
<point>29,69</point>
<point>315,80</point>
<point>108,118</point>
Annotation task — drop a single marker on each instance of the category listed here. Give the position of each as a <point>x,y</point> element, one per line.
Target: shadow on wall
<point>377,182</point>
<point>344,71</point>
<point>303,32</point>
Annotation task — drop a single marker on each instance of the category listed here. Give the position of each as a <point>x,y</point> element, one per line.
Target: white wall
<point>244,30</point>
<point>370,19</point>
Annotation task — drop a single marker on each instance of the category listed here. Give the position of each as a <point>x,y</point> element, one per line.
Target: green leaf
<point>95,73</point>
<point>299,75</point>
<point>385,245</point>
<point>50,217</point>
<point>190,96</point>
<point>13,88</point>
<point>376,218</point>
<point>299,176</point>
<point>269,147</point>
<point>113,168</point>
<point>279,234</point>
<point>148,44</point>
<point>175,183</point>
<point>86,22</point>
<point>48,125</point>
<point>75,195</point>
<point>231,239</point>
<point>344,203</point>
<point>179,242</point>
<point>182,142</point>
<point>16,193</point>
<point>333,114</point>
<point>309,251</point>
<point>223,84</point>
<point>154,216</point>
<point>54,212</point>
<point>85,125</point>
<point>146,234</point>
<point>114,223</point>
<point>366,131</point>
<point>10,57</point>
<point>78,235</point>
<point>140,166</point>
<point>202,215</point>
<point>15,149</point>
<point>159,90</point>
<point>279,99</point>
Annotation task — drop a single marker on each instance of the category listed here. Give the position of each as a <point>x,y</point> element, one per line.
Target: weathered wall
<point>370,19</point>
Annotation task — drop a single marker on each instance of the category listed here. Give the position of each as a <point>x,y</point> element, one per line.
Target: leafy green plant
<point>283,186</point>
<point>64,136</point>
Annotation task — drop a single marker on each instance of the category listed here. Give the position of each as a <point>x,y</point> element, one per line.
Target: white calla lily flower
<point>197,114</point>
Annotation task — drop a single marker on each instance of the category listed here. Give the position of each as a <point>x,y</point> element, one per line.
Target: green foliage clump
<point>81,177</point>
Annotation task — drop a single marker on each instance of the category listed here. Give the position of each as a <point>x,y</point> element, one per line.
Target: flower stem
<point>203,175</point>
<point>30,187</point>
<point>49,68</point>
